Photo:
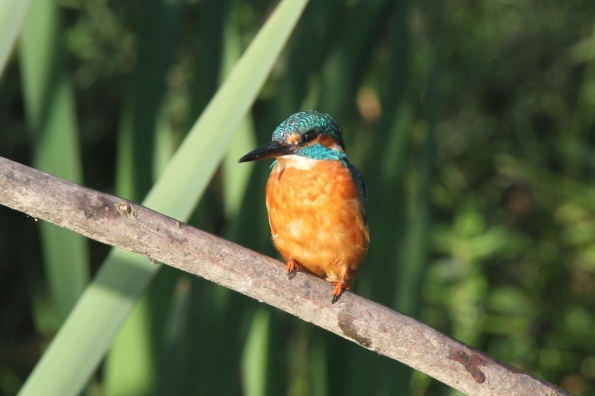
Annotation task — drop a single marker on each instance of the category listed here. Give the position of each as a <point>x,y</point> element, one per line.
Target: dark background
<point>472,123</point>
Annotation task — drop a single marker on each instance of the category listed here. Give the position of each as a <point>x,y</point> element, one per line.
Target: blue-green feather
<point>361,186</point>
<point>304,121</point>
<point>320,152</point>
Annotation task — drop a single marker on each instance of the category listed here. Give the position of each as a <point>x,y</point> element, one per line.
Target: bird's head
<point>307,134</point>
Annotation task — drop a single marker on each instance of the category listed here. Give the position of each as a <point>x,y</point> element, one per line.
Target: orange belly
<point>316,218</point>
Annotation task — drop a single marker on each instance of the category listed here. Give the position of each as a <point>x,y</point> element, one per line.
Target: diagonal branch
<point>130,226</point>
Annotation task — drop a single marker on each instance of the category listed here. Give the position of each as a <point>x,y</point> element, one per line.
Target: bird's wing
<point>359,181</point>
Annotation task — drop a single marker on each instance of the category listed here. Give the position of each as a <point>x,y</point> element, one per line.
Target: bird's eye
<point>308,136</point>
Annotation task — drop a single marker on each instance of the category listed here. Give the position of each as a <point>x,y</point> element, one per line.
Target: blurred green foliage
<point>472,123</point>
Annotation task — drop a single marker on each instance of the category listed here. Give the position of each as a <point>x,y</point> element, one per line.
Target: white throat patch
<point>295,161</point>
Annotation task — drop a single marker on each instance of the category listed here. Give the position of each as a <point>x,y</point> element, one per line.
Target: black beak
<point>273,149</point>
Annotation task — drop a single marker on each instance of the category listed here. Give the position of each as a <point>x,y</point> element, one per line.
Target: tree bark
<point>127,225</point>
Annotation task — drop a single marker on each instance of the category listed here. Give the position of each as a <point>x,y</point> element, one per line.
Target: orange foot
<point>292,268</point>
<point>339,289</point>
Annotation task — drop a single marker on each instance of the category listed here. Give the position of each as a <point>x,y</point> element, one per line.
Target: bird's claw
<point>339,289</point>
<point>292,268</point>
<point>291,274</point>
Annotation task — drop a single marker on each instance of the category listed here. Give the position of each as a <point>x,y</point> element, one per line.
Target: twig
<point>130,226</point>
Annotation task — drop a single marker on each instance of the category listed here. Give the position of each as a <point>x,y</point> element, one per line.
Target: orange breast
<point>315,215</point>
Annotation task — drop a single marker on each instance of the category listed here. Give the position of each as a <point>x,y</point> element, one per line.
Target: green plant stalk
<point>144,148</point>
<point>175,374</point>
<point>83,340</point>
<point>12,17</point>
<point>254,359</point>
<point>51,116</point>
<point>132,357</point>
<point>344,68</point>
<point>583,115</point>
<point>235,180</point>
<point>408,294</point>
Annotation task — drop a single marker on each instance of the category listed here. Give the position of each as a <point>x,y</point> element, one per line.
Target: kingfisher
<point>316,200</point>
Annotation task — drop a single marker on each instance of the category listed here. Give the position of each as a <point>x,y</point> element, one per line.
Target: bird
<point>316,200</point>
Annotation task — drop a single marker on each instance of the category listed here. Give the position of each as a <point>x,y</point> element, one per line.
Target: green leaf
<point>12,17</point>
<point>51,117</point>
